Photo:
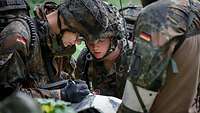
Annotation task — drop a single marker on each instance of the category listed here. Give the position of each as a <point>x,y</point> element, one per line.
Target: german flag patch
<point>145,36</point>
<point>21,40</point>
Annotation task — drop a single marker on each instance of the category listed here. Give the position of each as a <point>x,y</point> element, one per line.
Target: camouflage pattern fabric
<point>174,26</point>
<point>61,59</point>
<point>85,17</point>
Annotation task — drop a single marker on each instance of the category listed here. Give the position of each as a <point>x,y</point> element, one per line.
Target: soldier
<point>103,64</point>
<point>26,59</point>
<point>63,64</point>
<point>167,37</point>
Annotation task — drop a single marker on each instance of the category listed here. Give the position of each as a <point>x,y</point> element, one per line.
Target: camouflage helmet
<point>115,27</point>
<point>115,30</point>
<point>116,24</point>
<point>6,5</point>
<point>88,17</point>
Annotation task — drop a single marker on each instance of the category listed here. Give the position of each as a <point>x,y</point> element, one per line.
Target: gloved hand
<point>74,91</point>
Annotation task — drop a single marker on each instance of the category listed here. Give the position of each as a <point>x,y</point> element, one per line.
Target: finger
<point>82,86</point>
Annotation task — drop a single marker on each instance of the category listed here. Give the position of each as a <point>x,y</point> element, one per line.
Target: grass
<point>78,50</point>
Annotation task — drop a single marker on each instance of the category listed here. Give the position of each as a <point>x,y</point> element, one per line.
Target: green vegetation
<point>78,49</point>
<point>54,106</point>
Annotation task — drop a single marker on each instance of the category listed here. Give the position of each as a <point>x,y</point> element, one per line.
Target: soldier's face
<point>99,48</point>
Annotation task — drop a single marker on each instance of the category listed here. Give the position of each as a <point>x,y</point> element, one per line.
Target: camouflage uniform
<point>168,42</point>
<point>27,60</point>
<point>108,82</point>
<point>63,64</point>
<point>21,59</point>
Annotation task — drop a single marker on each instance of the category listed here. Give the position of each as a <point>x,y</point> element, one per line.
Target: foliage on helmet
<point>116,25</point>
<point>88,17</point>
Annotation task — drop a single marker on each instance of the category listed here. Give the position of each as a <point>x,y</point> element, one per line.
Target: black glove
<point>74,91</point>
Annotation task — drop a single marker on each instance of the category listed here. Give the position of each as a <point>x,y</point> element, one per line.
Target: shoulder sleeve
<point>14,40</point>
<point>17,27</point>
<point>15,36</point>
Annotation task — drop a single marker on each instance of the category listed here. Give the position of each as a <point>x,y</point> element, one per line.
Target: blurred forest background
<point>115,2</point>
